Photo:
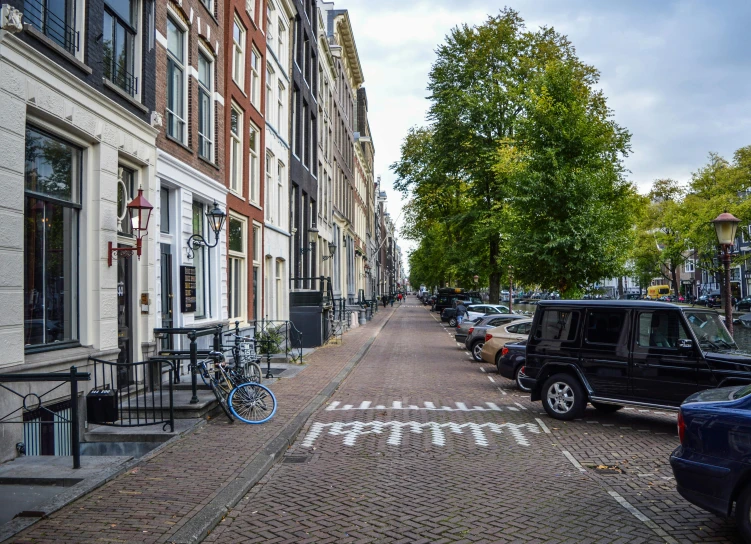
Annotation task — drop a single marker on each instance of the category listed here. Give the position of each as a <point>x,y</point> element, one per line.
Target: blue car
<point>712,466</point>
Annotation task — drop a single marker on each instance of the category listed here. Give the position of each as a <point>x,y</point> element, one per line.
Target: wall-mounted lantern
<point>139,210</point>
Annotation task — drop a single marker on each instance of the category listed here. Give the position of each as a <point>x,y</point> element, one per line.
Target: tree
<point>570,211</point>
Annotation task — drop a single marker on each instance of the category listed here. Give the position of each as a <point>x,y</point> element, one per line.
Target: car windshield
<point>742,392</point>
<point>710,330</point>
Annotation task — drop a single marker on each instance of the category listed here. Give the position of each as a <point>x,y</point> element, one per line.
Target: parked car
<point>712,465</point>
<point>496,338</point>
<point>449,314</point>
<point>613,353</point>
<point>477,310</point>
<point>743,305</point>
<point>511,362</point>
<point>476,334</point>
<point>461,331</point>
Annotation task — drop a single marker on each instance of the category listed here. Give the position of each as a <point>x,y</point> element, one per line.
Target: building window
<point>304,134</point>
<point>125,193</point>
<point>164,214</point>
<point>269,93</point>
<point>270,24</point>
<point>208,6</point>
<point>175,81</point>
<point>54,19</point>
<point>205,106</point>
<point>257,248</point>
<point>119,43</point>
<point>280,98</point>
<point>51,209</point>
<point>238,54</point>
<point>279,191</point>
<point>269,185</point>
<point>200,257</point>
<point>236,153</point>
<point>238,251</point>
<point>254,140</point>
<point>689,266</point>
<point>255,78</point>
<point>281,39</point>
<point>295,124</point>
<point>250,7</point>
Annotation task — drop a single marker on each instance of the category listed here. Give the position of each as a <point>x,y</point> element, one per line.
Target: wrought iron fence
<point>277,337</point>
<point>60,30</point>
<point>138,392</point>
<point>48,429</point>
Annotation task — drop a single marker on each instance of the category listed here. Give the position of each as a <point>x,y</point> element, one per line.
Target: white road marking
<point>468,354</point>
<point>520,406</point>
<point>641,517</point>
<point>573,461</point>
<point>482,369</point>
<point>542,425</point>
<point>351,430</point>
<point>336,406</point>
<point>491,379</point>
<point>501,390</point>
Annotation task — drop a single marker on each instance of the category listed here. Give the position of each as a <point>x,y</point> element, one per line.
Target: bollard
<point>363,320</point>
<point>193,367</point>
<point>75,440</point>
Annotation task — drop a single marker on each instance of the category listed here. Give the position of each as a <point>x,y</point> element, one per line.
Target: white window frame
<point>238,54</point>
<point>280,118</point>
<point>257,266</point>
<point>202,51</point>
<point>269,160</point>
<point>241,258</point>
<point>281,38</point>
<point>269,23</point>
<point>270,77</point>
<point>280,192</point>
<point>182,115</point>
<point>255,78</point>
<point>254,164</point>
<point>236,153</point>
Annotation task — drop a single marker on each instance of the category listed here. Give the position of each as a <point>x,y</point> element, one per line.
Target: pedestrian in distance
<point>385,301</point>
<point>391,299</point>
<point>461,311</point>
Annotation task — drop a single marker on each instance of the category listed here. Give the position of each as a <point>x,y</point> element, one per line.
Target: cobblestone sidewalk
<point>154,500</point>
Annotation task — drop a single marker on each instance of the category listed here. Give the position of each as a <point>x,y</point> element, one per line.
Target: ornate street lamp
<point>312,239</point>
<point>332,250</point>
<point>216,219</point>
<point>726,225</point>
<point>139,210</point>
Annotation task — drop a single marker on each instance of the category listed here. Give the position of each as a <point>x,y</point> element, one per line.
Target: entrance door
<point>167,295</point>
<point>124,327</point>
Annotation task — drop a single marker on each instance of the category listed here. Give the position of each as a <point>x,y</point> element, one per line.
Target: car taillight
<point>470,330</point>
<point>488,337</point>
<point>504,351</point>
<point>681,427</point>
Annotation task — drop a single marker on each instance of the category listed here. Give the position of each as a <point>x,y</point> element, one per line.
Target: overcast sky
<point>676,73</point>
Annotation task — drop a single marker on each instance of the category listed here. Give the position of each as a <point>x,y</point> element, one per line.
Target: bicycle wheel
<point>252,403</point>
<point>253,372</point>
<point>221,396</point>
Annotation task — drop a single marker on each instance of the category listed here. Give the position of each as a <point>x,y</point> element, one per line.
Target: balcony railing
<point>123,79</point>
<point>59,30</point>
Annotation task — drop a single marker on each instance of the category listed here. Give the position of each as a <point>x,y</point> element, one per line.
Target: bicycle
<point>250,402</point>
<point>246,358</point>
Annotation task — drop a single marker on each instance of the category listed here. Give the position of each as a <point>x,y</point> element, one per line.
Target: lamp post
<point>332,250</point>
<point>216,219</point>
<point>510,289</point>
<point>725,226</point>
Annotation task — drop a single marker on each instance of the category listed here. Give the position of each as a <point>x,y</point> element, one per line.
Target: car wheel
<point>477,350</point>
<point>563,397</point>
<point>452,322</point>
<point>520,374</point>
<point>743,513</point>
<point>606,408</point>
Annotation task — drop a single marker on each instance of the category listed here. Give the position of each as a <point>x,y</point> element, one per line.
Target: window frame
<point>254,164</point>
<point>209,92</point>
<point>238,53</point>
<point>576,314</point>
<point>269,163</point>
<point>255,78</point>
<point>240,257</point>
<point>183,66</point>
<point>135,34</point>
<point>270,77</point>
<point>236,150</point>
<point>608,312</point>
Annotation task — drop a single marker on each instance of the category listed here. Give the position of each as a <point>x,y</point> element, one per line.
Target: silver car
<point>476,332</point>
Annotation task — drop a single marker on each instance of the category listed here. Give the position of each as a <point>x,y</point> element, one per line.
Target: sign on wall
<point>188,288</point>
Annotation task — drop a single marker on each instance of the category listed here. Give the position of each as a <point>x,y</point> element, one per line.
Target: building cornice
<point>344,26</point>
<point>211,185</point>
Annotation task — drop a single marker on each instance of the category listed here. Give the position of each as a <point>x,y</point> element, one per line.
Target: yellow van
<point>656,291</point>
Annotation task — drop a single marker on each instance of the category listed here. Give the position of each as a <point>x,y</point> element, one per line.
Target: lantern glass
<point>312,236</point>
<point>332,248</point>
<point>726,226</point>
<point>139,210</point>
<point>216,219</point>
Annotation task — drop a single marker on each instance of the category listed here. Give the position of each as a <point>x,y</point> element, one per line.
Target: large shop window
<point>175,81</point>
<point>51,210</point>
<point>238,256</point>
<point>119,41</point>
<point>200,261</point>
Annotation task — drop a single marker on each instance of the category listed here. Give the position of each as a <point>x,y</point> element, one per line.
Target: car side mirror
<point>685,344</point>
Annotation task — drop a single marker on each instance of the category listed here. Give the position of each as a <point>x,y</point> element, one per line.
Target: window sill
<point>237,195</point>
<point>237,85</point>
<point>207,10</point>
<point>114,88</point>
<point>207,161</point>
<point>56,48</point>
<point>178,142</point>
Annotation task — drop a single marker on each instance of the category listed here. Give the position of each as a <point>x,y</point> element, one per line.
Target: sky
<point>677,74</point>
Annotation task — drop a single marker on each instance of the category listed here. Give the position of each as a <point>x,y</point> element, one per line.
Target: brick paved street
<point>153,501</point>
<point>422,445</point>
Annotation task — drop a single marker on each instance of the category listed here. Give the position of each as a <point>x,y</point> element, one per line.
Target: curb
<point>200,525</point>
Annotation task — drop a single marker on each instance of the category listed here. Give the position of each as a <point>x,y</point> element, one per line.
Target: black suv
<point>612,353</point>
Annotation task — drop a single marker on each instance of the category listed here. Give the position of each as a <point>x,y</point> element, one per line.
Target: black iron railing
<point>142,392</point>
<point>122,78</point>
<point>47,431</point>
<point>60,30</point>
<point>274,337</point>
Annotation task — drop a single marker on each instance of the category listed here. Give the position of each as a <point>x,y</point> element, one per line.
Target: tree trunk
<point>620,286</point>
<point>674,275</point>
<point>494,291</point>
